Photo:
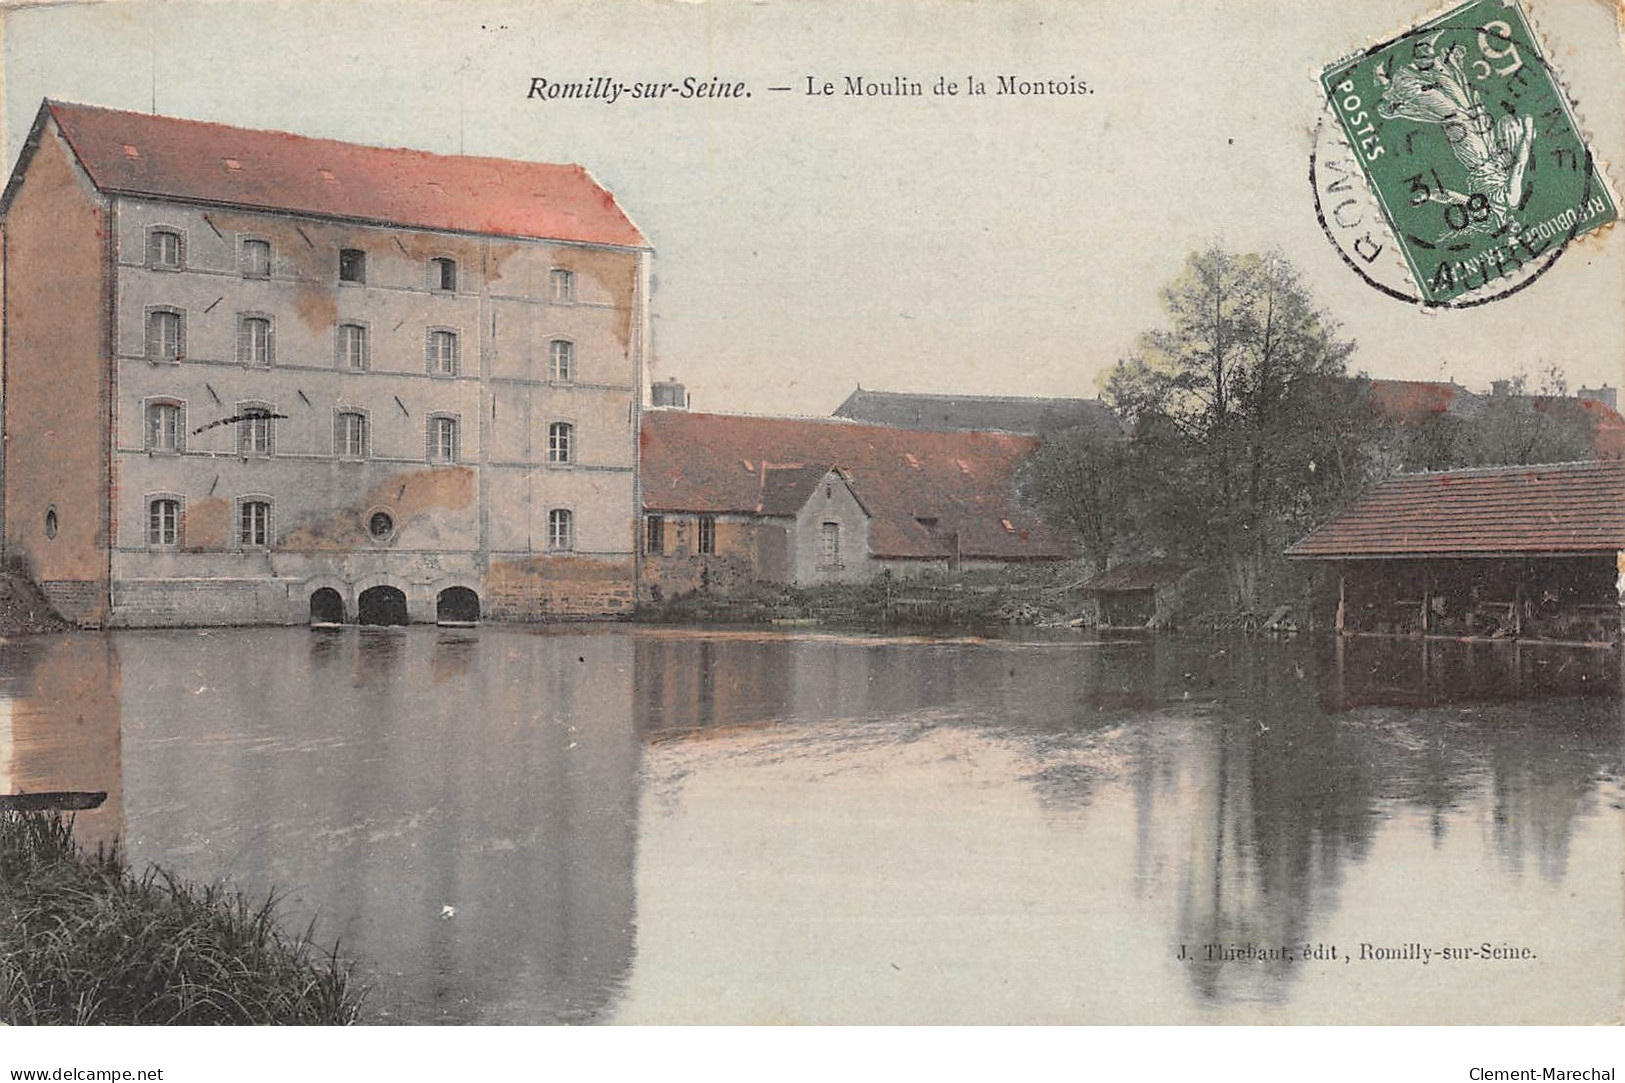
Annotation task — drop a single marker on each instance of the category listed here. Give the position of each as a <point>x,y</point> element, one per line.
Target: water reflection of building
<point>377,778</point>
<point>59,725</point>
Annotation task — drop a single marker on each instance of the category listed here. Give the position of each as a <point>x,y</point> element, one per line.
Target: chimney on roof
<point>1608,396</point>
<point>670,394</point>
<point>1500,388</point>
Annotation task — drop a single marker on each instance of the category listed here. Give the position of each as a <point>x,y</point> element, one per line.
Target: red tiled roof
<point>1607,426</point>
<point>1411,402</point>
<point>714,463</point>
<point>165,157</point>
<point>1553,508</point>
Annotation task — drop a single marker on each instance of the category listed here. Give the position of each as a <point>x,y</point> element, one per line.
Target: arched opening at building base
<point>382,605</point>
<point>326,607</point>
<point>457,607</point>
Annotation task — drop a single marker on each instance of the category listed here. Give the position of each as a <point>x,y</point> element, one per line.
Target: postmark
<point>1451,168</point>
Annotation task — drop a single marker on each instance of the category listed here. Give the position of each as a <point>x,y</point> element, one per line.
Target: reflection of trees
<point>1289,793</point>
<point>1283,802</point>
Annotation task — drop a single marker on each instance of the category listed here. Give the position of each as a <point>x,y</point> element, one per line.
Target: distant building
<point>257,377</point>
<point>1411,403</point>
<point>731,499</point>
<point>1520,552</point>
<point>973,413</point>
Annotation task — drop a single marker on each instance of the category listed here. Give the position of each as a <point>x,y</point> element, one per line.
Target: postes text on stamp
<point>1469,143</point>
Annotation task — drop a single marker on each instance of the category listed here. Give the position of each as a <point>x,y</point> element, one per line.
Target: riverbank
<point>88,941</point>
<point>1036,595</point>
<point>24,610</point>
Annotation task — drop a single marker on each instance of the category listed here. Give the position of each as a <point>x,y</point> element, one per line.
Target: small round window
<point>381,525</point>
<point>50,523</point>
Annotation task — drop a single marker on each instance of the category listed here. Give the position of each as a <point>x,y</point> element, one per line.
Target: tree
<point>1079,480</point>
<point>1240,406</point>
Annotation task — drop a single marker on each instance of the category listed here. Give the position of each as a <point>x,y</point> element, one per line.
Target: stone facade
<point>464,413</point>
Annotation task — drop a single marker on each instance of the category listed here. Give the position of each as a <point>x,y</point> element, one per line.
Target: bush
<point>85,940</point>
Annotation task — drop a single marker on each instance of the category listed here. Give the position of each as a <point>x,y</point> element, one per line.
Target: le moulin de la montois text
<point>610,89</point>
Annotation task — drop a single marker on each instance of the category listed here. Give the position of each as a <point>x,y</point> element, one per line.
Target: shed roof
<point>922,490</point>
<point>141,154</point>
<point>1511,510</point>
<point>1136,575</point>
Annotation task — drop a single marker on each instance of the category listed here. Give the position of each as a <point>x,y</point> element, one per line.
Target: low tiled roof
<point>1547,509</point>
<point>1136,575</point>
<point>992,413</point>
<point>958,483</point>
<point>141,154</point>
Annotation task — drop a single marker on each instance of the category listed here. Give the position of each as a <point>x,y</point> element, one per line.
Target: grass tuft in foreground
<point>83,939</point>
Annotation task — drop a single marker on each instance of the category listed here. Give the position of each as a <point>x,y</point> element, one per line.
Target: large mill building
<point>257,377</point>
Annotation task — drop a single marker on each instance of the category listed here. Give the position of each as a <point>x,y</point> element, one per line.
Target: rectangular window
<point>164,250</point>
<point>442,440</point>
<point>352,265</point>
<point>654,534</point>
<point>166,335</point>
<point>708,535</point>
<point>256,259</point>
<point>560,529</point>
<point>254,430</point>
<point>352,346</point>
<point>441,353</point>
<point>350,435</point>
<point>560,435</point>
<point>164,522</point>
<point>563,284</point>
<point>443,275</point>
<point>254,524</point>
<point>561,361</point>
<point>254,340</point>
<point>163,426</point>
<point>830,555</point>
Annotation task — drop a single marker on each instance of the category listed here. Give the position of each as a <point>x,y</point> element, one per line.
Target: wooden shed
<point>1517,552</point>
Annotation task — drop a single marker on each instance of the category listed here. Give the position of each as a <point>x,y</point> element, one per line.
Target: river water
<point>656,825</point>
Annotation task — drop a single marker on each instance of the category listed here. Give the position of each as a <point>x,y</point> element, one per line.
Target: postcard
<point>825,513</point>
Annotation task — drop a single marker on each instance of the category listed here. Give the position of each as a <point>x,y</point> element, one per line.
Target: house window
<point>830,551</point>
<point>441,352</point>
<point>50,523</point>
<point>254,524</point>
<point>561,529</point>
<point>443,275</point>
<point>254,340</point>
<point>381,525</point>
<point>654,534</point>
<point>563,283</point>
<point>166,335</point>
<point>163,426</point>
<point>256,258</point>
<point>164,521</point>
<point>559,437</point>
<point>352,265</point>
<point>164,250</point>
<point>352,347</point>
<point>256,434</point>
<point>561,361</point>
<point>442,440</point>
<point>708,535</point>
<point>350,434</point>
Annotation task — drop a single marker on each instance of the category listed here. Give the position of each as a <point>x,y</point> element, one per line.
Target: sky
<point>805,244</point>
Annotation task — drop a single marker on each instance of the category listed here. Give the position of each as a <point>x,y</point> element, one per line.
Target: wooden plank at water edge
<point>52,801</point>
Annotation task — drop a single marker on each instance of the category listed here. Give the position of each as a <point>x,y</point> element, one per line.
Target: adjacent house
<point>258,377</point>
<point>731,499</point>
<point>1522,552</point>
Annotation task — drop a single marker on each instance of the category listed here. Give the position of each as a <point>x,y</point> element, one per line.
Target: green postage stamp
<point>1472,150</point>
